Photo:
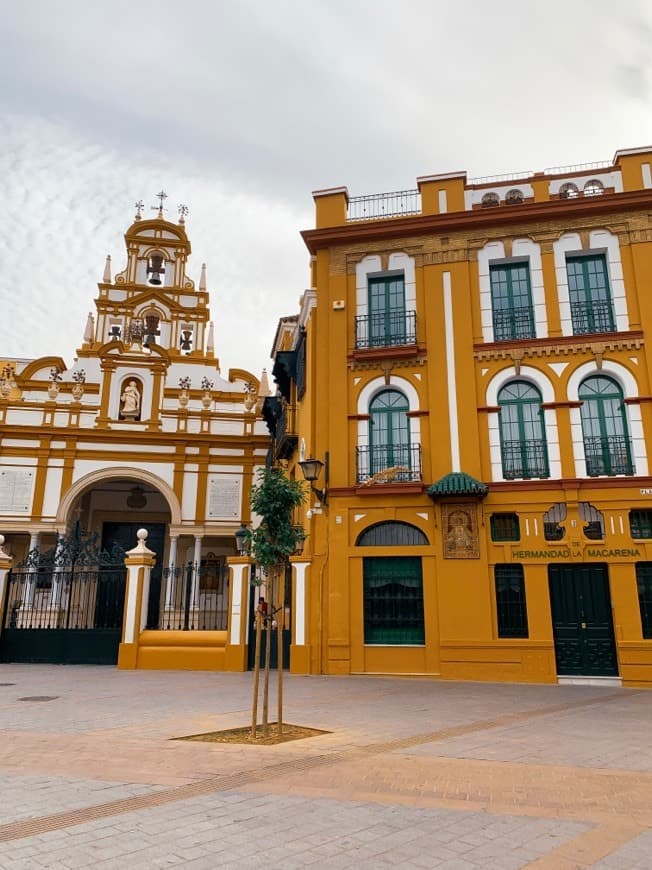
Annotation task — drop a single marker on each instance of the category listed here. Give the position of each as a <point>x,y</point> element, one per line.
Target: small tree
<point>274,498</point>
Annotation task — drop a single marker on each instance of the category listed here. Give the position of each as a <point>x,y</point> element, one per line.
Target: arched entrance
<point>65,601</point>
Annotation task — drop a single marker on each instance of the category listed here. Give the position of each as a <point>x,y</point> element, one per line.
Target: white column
<point>30,585</point>
<point>169,582</point>
<point>300,602</point>
<point>140,558</point>
<point>194,597</point>
<point>235,617</point>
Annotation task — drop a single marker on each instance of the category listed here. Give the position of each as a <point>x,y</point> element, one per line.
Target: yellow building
<point>141,430</point>
<point>470,368</point>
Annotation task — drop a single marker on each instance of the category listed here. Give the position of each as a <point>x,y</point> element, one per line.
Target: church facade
<point>468,385</point>
<point>142,430</point>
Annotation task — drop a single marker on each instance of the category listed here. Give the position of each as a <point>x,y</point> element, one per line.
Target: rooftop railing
<point>507,176</point>
<point>396,203</point>
<point>578,167</point>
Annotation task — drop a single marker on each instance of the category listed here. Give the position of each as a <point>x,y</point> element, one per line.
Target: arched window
<point>389,435</point>
<point>489,200</point>
<point>593,187</point>
<point>522,434</point>
<point>569,191</point>
<point>155,268</point>
<point>607,445</point>
<point>514,197</point>
<point>392,534</point>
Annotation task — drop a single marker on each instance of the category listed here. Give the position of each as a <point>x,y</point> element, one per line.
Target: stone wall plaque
<point>16,485</point>
<point>224,496</point>
<point>459,523</point>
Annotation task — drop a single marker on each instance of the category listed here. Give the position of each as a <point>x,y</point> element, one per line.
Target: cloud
<point>240,109</point>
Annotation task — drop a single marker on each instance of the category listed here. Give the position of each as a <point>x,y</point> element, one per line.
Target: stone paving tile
<point>511,777</point>
<point>635,855</point>
<point>25,797</point>
<point>563,740</point>
<point>399,837</point>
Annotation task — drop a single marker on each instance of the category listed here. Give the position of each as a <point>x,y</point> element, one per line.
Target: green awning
<point>457,483</point>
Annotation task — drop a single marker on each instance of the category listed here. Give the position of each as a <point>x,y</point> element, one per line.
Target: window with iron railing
<point>589,294</point>
<point>387,323</point>
<point>511,608</point>
<point>523,447</point>
<point>511,302</point>
<point>389,456</point>
<point>607,446</point>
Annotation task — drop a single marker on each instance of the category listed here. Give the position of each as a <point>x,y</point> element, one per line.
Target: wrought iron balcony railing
<point>513,323</point>
<point>286,437</point>
<point>381,205</point>
<point>595,316</point>
<point>608,455</point>
<point>525,459</point>
<point>386,329</point>
<point>383,464</point>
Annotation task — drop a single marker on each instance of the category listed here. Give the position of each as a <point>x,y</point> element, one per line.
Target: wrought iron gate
<point>65,605</point>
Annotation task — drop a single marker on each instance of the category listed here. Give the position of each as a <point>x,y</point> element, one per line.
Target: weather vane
<point>139,206</point>
<point>162,196</point>
<point>183,211</point>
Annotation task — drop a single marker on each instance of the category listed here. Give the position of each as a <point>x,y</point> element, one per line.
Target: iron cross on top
<point>162,196</point>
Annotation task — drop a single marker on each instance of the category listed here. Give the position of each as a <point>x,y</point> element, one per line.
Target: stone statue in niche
<point>460,531</point>
<point>130,399</point>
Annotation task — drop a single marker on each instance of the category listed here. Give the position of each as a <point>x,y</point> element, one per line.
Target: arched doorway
<point>65,599</point>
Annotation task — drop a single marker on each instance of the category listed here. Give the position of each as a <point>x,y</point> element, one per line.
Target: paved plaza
<point>412,773</point>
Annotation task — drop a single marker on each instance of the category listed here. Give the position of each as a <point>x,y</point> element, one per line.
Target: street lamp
<point>311,469</point>
<point>243,540</point>
<point>299,540</point>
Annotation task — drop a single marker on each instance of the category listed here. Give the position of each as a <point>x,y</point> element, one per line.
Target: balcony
<point>386,329</point>
<point>609,455</point>
<point>384,464</point>
<point>513,323</point>
<point>523,460</point>
<point>592,316</point>
<point>280,418</point>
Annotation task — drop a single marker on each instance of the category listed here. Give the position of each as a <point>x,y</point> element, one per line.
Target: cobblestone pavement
<point>412,773</point>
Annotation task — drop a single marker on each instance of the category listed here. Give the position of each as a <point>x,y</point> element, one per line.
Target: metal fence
<point>608,455</point>
<point>195,597</point>
<point>389,328</point>
<point>525,459</point>
<point>400,463</point>
<point>379,205</point>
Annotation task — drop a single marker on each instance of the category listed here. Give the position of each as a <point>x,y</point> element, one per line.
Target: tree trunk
<point>268,653</point>
<point>254,704</point>
<point>279,655</point>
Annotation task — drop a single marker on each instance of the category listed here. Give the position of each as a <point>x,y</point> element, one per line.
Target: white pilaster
<point>300,602</point>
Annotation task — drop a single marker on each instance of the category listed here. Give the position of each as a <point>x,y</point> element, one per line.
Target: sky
<point>241,108</point>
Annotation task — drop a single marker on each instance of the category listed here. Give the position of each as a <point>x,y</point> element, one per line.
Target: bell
<point>155,269</point>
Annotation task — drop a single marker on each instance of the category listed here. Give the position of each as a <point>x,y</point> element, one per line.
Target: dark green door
<point>582,623</point>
